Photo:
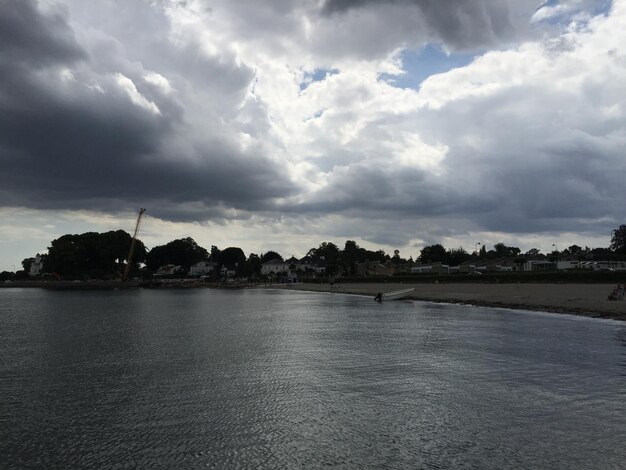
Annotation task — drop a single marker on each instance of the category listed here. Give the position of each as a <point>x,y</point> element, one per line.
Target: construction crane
<point>129,261</point>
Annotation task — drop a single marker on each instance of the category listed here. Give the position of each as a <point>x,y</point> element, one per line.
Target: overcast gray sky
<point>279,124</point>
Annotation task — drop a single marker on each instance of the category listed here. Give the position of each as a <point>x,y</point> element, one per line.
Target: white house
<point>539,265</point>
<point>36,267</point>
<point>438,268</point>
<point>306,264</point>
<point>168,270</point>
<point>229,271</point>
<point>373,268</point>
<point>274,266</point>
<point>201,268</point>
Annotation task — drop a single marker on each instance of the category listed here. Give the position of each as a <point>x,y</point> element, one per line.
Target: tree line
<point>103,256</point>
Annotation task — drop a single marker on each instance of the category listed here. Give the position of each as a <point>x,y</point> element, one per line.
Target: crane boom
<point>129,261</point>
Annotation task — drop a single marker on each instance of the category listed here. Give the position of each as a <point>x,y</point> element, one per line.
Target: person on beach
<point>379,297</point>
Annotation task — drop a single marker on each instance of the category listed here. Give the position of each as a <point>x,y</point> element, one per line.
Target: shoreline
<point>589,300</point>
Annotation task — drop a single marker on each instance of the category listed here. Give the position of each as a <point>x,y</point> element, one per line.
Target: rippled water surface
<point>277,379</point>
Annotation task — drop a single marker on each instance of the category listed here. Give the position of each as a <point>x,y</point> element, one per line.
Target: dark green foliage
<point>26,263</point>
<point>91,254</point>
<point>182,252</point>
<point>532,253</point>
<point>215,253</point>
<point>503,251</point>
<point>600,254</point>
<point>352,254</point>
<point>327,251</point>
<point>327,254</point>
<point>269,256</point>
<point>253,265</point>
<point>433,254</point>
<point>344,262</point>
<point>618,240</point>
<point>456,256</point>
<point>573,250</point>
<point>232,256</point>
<point>438,254</point>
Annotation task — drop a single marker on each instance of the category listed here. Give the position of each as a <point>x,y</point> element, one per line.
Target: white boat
<point>395,295</point>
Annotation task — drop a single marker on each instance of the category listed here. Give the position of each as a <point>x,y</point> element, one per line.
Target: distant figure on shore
<point>618,293</point>
<point>379,297</point>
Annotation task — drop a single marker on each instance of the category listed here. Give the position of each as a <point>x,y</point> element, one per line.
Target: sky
<point>279,124</point>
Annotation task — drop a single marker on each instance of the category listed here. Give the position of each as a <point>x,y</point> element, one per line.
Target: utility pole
<point>129,261</point>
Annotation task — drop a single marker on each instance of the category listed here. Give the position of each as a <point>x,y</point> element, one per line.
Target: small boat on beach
<point>395,295</point>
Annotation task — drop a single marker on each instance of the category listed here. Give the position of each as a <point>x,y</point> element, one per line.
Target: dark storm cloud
<point>378,191</point>
<point>460,24</point>
<point>26,34</point>
<point>81,138</point>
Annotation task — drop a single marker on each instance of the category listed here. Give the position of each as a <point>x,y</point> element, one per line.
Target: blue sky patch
<point>317,75</point>
<point>421,64</point>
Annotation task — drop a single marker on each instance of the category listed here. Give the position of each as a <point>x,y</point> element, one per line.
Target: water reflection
<point>281,379</point>
<point>620,338</point>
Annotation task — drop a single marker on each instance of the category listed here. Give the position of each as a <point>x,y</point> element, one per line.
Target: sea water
<point>281,379</point>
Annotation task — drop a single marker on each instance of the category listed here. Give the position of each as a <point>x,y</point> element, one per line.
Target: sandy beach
<point>577,299</point>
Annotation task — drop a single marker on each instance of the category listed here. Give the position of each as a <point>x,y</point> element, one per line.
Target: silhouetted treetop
<point>182,252</point>
<point>618,240</point>
<point>269,256</point>
<point>91,254</point>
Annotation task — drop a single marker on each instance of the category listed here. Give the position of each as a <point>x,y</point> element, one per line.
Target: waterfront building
<point>202,268</point>
<point>36,267</point>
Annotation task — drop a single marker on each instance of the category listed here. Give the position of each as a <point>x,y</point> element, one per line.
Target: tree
<point>351,256</point>
<point>115,246</point>
<point>26,264</point>
<point>601,254</point>
<point>433,254</point>
<point>532,253</point>
<point>253,265</point>
<point>396,257</point>
<point>329,254</point>
<point>269,256</point>
<point>572,250</point>
<point>503,251</point>
<point>379,256</point>
<point>456,256</point>
<point>232,256</point>
<point>97,255</point>
<point>618,240</point>
<point>183,252</point>
<point>328,251</point>
<point>63,256</point>
<point>215,253</point>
